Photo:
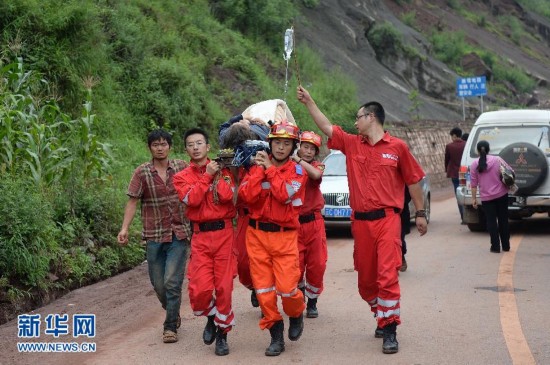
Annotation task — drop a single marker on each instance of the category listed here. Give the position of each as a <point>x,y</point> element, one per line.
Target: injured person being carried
<point>245,134</point>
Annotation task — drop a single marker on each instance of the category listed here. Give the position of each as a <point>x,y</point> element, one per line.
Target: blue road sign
<point>471,86</point>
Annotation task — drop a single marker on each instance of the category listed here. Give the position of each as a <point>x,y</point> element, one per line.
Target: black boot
<point>277,344</point>
<point>311,310</point>
<point>254,299</point>
<point>209,333</point>
<point>221,343</point>
<point>379,332</point>
<point>296,327</point>
<point>390,345</point>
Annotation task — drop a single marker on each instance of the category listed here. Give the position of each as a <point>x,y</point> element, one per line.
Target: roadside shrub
<point>515,27</point>
<point>28,234</point>
<point>409,18</point>
<point>449,47</point>
<point>257,19</point>
<point>454,4</point>
<point>384,39</point>
<point>310,4</point>
<point>515,76</point>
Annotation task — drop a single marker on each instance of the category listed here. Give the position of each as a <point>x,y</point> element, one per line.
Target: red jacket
<point>276,194</point>
<point>195,190</point>
<point>314,200</point>
<point>377,174</point>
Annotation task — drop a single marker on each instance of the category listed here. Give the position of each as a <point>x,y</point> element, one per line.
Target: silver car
<point>337,212</point>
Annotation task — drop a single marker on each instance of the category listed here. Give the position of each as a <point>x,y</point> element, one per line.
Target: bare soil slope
<point>337,29</point>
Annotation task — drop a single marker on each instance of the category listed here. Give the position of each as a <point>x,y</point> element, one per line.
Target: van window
<point>500,137</point>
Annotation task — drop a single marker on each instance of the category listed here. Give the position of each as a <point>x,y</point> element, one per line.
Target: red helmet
<point>284,130</point>
<point>311,137</point>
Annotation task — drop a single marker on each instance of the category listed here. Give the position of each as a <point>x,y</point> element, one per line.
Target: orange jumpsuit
<point>274,197</point>
<point>312,238</point>
<point>376,177</point>
<point>212,264</point>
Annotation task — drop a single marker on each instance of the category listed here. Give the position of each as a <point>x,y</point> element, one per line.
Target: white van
<point>520,137</point>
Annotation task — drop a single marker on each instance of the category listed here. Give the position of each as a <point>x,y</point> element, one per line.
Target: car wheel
<point>529,164</point>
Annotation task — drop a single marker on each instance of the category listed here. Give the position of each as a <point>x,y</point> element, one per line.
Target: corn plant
<point>94,154</point>
<point>37,138</point>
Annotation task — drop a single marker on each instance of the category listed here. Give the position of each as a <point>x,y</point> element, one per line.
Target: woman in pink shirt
<point>485,173</point>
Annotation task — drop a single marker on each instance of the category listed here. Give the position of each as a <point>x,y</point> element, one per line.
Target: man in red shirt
<point>312,238</point>
<point>453,155</point>
<point>207,192</point>
<point>378,167</point>
<point>273,191</point>
<point>165,228</point>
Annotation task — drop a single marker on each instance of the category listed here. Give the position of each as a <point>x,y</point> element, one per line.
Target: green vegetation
<point>541,7</point>
<point>414,109</point>
<point>81,85</point>
<point>311,3</point>
<point>515,28</point>
<point>387,41</point>
<point>53,191</point>
<point>454,4</point>
<point>409,18</point>
<point>450,47</point>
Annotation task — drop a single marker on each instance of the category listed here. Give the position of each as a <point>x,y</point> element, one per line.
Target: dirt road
<point>456,309</point>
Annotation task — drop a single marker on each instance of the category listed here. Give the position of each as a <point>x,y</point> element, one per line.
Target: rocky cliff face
<point>339,30</point>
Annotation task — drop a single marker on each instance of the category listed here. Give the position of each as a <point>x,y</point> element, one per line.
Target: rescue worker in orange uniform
<point>312,238</point>
<point>207,191</point>
<point>378,167</point>
<point>273,190</point>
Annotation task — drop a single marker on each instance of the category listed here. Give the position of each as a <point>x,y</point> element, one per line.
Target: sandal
<point>169,336</point>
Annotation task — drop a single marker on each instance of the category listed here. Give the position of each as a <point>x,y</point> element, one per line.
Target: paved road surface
<point>461,304</point>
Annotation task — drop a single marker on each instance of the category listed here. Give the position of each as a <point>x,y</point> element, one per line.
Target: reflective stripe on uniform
<point>290,190</point>
<point>212,311</point>
<point>223,325</point>
<point>387,303</point>
<point>388,313</point>
<point>223,317</point>
<point>311,288</point>
<point>265,290</point>
<point>287,295</point>
<point>185,199</point>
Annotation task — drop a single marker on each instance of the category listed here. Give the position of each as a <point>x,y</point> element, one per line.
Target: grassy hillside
<point>83,82</point>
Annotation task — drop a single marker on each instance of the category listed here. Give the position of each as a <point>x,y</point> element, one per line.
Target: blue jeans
<point>166,263</point>
<point>460,207</point>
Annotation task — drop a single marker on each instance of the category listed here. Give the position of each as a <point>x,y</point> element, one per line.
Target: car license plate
<point>337,212</point>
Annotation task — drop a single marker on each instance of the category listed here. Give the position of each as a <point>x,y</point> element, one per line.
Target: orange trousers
<point>275,269</point>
